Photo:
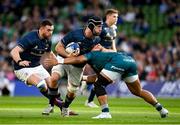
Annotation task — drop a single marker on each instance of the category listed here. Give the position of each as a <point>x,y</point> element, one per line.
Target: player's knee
<point>72,89</point>
<point>103,81</point>
<point>71,95</point>
<point>99,86</point>
<point>53,81</point>
<point>99,90</point>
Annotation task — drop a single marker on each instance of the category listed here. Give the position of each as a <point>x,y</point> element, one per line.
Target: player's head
<point>46,28</point>
<point>111,16</point>
<point>95,25</point>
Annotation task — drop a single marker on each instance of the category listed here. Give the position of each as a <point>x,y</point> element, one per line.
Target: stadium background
<point>147,29</point>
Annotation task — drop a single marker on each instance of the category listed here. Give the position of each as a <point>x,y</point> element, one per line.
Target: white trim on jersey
<point>131,79</point>
<point>111,75</point>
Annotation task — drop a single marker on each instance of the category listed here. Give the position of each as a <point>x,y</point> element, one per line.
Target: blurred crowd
<point>156,62</point>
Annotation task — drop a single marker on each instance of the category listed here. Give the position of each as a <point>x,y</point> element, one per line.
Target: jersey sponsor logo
<point>110,34</point>
<point>128,60</point>
<point>117,68</point>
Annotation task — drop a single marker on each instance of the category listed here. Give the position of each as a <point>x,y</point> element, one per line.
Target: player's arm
<point>75,60</point>
<point>60,49</point>
<point>99,47</point>
<point>89,78</point>
<point>72,60</point>
<point>15,54</point>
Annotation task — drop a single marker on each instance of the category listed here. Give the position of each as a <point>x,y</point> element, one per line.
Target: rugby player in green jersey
<point>111,66</point>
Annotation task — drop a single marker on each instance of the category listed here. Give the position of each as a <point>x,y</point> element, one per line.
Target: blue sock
<point>92,95</point>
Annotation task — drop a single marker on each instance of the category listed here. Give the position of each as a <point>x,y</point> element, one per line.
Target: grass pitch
<point>27,110</point>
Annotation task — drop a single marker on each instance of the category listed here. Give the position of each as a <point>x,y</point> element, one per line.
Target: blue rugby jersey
<point>107,35</point>
<point>34,47</point>
<point>77,36</point>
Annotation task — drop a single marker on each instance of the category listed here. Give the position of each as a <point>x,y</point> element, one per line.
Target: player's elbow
<point>12,52</point>
<point>59,48</point>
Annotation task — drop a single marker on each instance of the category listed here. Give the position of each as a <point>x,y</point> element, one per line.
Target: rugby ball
<point>73,48</point>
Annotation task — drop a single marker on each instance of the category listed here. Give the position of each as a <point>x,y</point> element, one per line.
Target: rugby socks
<point>68,101</point>
<point>43,88</point>
<point>105,108</point>
<point>158,106</point>
<point>92,95</point>
<point>42,85</point>
<point>53,93</point>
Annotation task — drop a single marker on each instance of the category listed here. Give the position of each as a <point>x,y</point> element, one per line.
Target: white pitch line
<point>83,111</point>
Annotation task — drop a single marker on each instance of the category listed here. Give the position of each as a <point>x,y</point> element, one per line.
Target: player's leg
<point>32,76</point>
<point>70,96</point>
<point>136,89</point>
<point>42,86</point>
<point>54,95</point>
<point>90,103</point>
<point>89,71</point>
<point>103,80</point>
<point>99,87</point>
<point>74,75</point>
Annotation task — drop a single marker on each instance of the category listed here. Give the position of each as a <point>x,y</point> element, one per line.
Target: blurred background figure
<point>7,86</point>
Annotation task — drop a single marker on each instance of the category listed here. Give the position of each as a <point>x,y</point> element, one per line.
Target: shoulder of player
<point>31,35</point>
<point>76,31</point>
<point>76,34</point>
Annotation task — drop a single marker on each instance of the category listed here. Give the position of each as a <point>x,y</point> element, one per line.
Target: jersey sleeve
<point>24,43</point>
<point>88,56</point>
<point>67,39</point>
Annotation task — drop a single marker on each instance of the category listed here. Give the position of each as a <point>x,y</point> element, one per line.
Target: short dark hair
<point>45,23</point>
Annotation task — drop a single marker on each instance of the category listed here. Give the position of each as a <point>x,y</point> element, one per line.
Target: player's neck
<point>108,23</point>
<point>40,34</point>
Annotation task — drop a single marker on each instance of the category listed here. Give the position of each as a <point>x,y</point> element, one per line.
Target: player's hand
<point>24,63</point>
<point>49,62</point>
<point>97,47</point>
<point>73,54</point>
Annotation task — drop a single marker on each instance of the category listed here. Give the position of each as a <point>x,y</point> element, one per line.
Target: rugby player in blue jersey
<point>108,36</point>
<point>111,66</point>
<point>87,38</point>
<point>27,54</point>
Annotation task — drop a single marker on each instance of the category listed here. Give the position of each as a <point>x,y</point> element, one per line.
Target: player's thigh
<point>57,73</point>
<point>32,76</point>
<point>58,70</point>
<point>40,73</point>
<point>74,75</point>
